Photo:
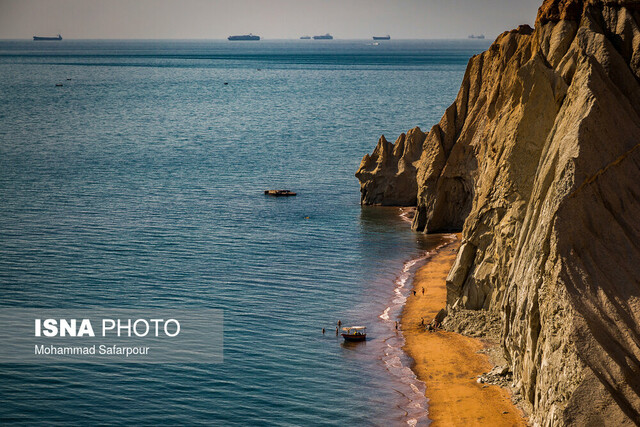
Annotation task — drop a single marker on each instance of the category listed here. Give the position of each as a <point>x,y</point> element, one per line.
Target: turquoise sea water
<point>138,184</point>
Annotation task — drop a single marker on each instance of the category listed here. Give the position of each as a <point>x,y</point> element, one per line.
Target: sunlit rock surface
<point>538,163</point>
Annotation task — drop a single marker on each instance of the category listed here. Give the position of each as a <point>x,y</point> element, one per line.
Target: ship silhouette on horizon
<point>44,38</point>
<point>246,37</point>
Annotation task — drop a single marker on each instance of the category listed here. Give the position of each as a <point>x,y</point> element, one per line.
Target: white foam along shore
<point>417,408</point>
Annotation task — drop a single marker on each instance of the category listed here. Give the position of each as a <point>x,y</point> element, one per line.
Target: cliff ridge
<point>537,162</point>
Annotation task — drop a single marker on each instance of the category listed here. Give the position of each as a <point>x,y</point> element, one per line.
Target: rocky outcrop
<point>388,176</point>
<point>538,163</point>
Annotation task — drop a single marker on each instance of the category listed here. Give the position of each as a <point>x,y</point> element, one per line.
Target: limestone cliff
<point>538,163</point>
<point>388,176</point>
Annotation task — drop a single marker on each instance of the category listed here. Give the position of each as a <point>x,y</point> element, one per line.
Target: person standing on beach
<point>423,291</point>
<point>396,325</point>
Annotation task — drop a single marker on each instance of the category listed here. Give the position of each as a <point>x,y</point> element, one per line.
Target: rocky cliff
<point>538,163</point>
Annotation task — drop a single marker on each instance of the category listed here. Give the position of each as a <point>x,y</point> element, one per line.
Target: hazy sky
<point>215,19</point>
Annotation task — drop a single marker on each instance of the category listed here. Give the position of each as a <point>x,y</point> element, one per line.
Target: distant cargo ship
<point>305,38</point>
<point>39,38</point>
<point>387,37</point>
<point>480,37</point>
<point>250,37</point>
<point>325,37</point>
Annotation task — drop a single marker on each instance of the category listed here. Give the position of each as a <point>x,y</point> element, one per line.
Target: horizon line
<point>261,38</point>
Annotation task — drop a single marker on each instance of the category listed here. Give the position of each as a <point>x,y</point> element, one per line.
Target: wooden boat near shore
<point>279,193</point>
<point>354,333</point>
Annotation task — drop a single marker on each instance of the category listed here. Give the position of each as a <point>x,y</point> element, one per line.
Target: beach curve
<point>449,363</point>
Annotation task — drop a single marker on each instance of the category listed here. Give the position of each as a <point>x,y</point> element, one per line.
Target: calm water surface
<point>138,183</point>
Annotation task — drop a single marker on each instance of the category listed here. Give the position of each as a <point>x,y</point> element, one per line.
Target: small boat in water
<point>42,38</point>
<point>279,193</point>
<point>354,333</point>
<point>305,38</point>
<point>387,37</point>
<point>324,37</point>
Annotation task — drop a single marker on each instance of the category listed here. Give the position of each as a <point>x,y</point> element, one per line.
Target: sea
<point>132,175</point>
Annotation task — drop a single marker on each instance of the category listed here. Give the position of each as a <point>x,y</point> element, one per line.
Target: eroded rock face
<point>388,176</point>
<point>538,162</point>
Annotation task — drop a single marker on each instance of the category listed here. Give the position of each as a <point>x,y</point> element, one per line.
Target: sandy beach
<point>449,363</point>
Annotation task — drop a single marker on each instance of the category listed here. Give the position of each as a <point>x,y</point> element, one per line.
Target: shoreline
<point>394,357</point>
<point>449,363</point>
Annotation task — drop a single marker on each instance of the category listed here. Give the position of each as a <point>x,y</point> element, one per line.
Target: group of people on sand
<point>434,325</point>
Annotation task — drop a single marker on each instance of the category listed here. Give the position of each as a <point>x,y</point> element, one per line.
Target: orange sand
<point>449,363</point>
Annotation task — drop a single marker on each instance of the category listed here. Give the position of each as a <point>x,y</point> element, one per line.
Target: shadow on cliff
<point>537,162</point>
